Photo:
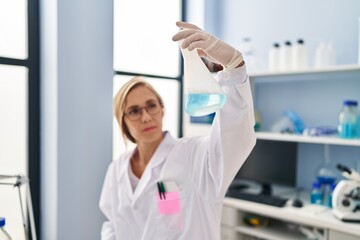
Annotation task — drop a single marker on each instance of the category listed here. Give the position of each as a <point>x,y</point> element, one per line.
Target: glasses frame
<point>158,107</point>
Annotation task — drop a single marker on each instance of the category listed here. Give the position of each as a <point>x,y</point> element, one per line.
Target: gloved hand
<point>208,46</point>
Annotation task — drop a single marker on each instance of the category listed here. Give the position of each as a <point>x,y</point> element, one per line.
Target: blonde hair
<point>120,102</point>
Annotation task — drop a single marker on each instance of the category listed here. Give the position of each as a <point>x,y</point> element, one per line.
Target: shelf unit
<point>346,71</point>
<point>307,139</point>
<point>319,220</point>
<point>343,73</point>
<point>325,222</point>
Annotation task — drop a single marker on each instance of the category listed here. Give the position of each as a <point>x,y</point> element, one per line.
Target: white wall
<point>76,115</point>
<point>279,20</point>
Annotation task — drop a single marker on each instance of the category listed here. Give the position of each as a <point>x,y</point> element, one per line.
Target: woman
<point>170,188</point>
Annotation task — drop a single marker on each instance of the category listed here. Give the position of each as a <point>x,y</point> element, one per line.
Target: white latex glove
<point>208,46</point>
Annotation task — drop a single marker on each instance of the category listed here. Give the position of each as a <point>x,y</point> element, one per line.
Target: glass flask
<point>203,94</point>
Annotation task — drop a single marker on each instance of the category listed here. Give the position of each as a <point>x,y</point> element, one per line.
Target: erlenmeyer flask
<point>203,94</point>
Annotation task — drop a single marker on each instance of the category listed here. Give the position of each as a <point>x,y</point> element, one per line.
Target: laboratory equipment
<point>274,57</point>
<point>19,181</point>
<point>286,56</point>
<point>346,196</point>
<point>325,55</point>
<point>299,55</point>
<point>316,196</point>
<point>289,123</point>
<point>4,235</point>
<point>325,175</point>
<point>203,94</point>
<point>330,197</point>
<point>247,50</point>
<point>348,119</point>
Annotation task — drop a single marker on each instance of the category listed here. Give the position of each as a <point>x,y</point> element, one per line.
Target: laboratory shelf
<point>307,139</point>
<point>335,72</point>
<point>275,232</point>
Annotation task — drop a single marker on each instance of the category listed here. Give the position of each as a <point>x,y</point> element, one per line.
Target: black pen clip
<point>161,190</point>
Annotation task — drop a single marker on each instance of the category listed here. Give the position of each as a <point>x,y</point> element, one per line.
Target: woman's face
<point>147,127</point>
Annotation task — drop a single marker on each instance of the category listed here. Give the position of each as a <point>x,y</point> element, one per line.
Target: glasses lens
<point>152,108</point>
<point>133,114</point>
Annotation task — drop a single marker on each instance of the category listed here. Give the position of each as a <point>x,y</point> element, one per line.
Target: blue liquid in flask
<point>201,104</point>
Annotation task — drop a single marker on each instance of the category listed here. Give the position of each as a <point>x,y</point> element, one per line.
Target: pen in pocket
<point>161,190</point>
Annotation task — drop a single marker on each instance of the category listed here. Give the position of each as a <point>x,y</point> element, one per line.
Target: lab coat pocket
<point>170,214</point>
<point>170,204</point>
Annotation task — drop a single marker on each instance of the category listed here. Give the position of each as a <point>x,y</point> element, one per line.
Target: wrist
<point>236,61</point>
<point>240,64</point>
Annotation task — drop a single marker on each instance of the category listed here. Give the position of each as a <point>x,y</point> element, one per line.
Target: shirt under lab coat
<point>196,170</point>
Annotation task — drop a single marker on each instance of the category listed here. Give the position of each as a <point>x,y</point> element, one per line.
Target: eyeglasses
<point>135,113</point>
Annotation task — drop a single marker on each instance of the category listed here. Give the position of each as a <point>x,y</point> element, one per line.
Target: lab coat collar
<point>159,157</point>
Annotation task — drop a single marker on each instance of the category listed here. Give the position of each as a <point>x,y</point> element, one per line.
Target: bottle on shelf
<point>4,235</point>
<point>286,56</point>
<point>348,118</point>
<point>326,175</point>
<point>316,196</point>
<point>248,52</point>
<point>325,55</point>
<point>274,57</point>
<point>299,55</point>
<point>258,120</point>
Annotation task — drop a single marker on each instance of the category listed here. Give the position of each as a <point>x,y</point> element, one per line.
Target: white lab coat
<point>201,168</point>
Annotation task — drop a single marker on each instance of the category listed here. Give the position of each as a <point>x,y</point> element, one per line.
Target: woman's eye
<point>134,111</point>
<point>151,106</point>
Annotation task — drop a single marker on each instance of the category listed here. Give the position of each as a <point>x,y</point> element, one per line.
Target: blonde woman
<point>168,188</point>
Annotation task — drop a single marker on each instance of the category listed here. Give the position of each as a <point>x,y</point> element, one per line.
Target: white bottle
<point>299,55</point>
<point>325,55</point>
<point>330,55</point>
<point>248,53</point>
<point>285,56</point>
<point>274,57</point>
<point>320,58</point>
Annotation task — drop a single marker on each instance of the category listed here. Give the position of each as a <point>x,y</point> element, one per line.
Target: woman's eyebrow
<point>147,102</point>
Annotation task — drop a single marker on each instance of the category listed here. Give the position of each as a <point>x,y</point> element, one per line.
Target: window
<point>19,104</point>
<point>143,46</point>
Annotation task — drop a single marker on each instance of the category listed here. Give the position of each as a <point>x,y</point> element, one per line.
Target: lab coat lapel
<point>154,165</point>
<point>127,177</point>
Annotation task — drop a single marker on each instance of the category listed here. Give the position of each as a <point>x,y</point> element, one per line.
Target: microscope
<point>346,196</point>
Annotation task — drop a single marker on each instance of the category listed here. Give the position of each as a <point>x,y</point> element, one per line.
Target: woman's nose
<point>145,116</point>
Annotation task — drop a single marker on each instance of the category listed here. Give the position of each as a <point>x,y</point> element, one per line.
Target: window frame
<point>179,78</point>
<point>32,63</point>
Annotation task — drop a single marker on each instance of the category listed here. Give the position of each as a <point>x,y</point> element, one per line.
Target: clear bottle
<point>316,196</point>
<point>299,55</point>
<point>4,235</point>
<point>348,119</point>
<point>248,52</point>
